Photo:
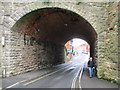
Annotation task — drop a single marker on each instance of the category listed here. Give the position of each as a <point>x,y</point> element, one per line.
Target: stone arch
<point>99,18</point>
<point>21,11</point>
<point>34,6</point>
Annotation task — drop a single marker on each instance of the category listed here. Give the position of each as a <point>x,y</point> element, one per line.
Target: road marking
<point>35,79</point>
<point>15,84</point>
<point>32,81</point>
<point>75,79</point>
<point>71,68</point>
<point>73,83</point>
<point>80,78</point>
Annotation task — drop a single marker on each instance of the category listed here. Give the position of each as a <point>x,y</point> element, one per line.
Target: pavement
<point>94,82</point>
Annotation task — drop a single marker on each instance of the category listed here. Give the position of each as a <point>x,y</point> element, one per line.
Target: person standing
<point>90,67</point>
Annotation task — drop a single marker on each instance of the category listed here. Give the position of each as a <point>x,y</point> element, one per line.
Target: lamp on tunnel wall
<point>66,25</point>
<point>37,31</point>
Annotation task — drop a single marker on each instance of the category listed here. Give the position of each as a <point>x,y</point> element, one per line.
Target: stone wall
<point>24,53</point>
<point>1,34</point>
<point>108,63</point>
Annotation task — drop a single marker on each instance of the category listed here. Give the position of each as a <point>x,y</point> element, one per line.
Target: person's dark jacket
<point>91,64</point>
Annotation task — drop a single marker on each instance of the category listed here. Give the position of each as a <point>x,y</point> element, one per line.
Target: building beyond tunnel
<point>33,34</point>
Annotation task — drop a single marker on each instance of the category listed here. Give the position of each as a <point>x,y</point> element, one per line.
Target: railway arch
<point>36,31</point>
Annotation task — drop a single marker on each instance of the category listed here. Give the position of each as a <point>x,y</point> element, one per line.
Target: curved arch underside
<point>55,25</point>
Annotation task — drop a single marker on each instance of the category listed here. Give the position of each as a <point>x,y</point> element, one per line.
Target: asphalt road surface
<point>62,77</point>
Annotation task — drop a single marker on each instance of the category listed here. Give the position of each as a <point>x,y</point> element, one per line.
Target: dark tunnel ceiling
<point>55,25</point>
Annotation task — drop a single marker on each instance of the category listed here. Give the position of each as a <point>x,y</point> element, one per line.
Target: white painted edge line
<point>46,75</point>
<point>80,78</point>
<point>16,84</point>
<point>28,79</point>
<point>74,80</point>
<point>72,67</point>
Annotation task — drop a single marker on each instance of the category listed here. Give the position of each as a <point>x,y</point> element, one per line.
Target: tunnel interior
<point>56,25</point>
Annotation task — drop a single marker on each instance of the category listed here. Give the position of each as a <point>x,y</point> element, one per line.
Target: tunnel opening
<point>43,33</point>
<point>56,25</point>
<point>77,50</point>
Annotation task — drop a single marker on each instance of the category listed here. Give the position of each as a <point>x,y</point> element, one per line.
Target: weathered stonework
<point>25,53</point>
<point>108,65</point>
<point>18,58</point>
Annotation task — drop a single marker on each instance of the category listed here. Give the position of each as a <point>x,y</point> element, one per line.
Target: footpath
<point>94,82</point>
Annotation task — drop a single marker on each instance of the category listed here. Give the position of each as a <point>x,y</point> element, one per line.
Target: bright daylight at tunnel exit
<point>77,50</point>
<point>51,44</point>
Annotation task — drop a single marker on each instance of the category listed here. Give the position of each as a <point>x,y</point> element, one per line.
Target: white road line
<point>71,68</point>
<point>80,78</point>
<point>74,80</point>
<point>16,84</point>
<point>35,79</point>
<point>32,81</point>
